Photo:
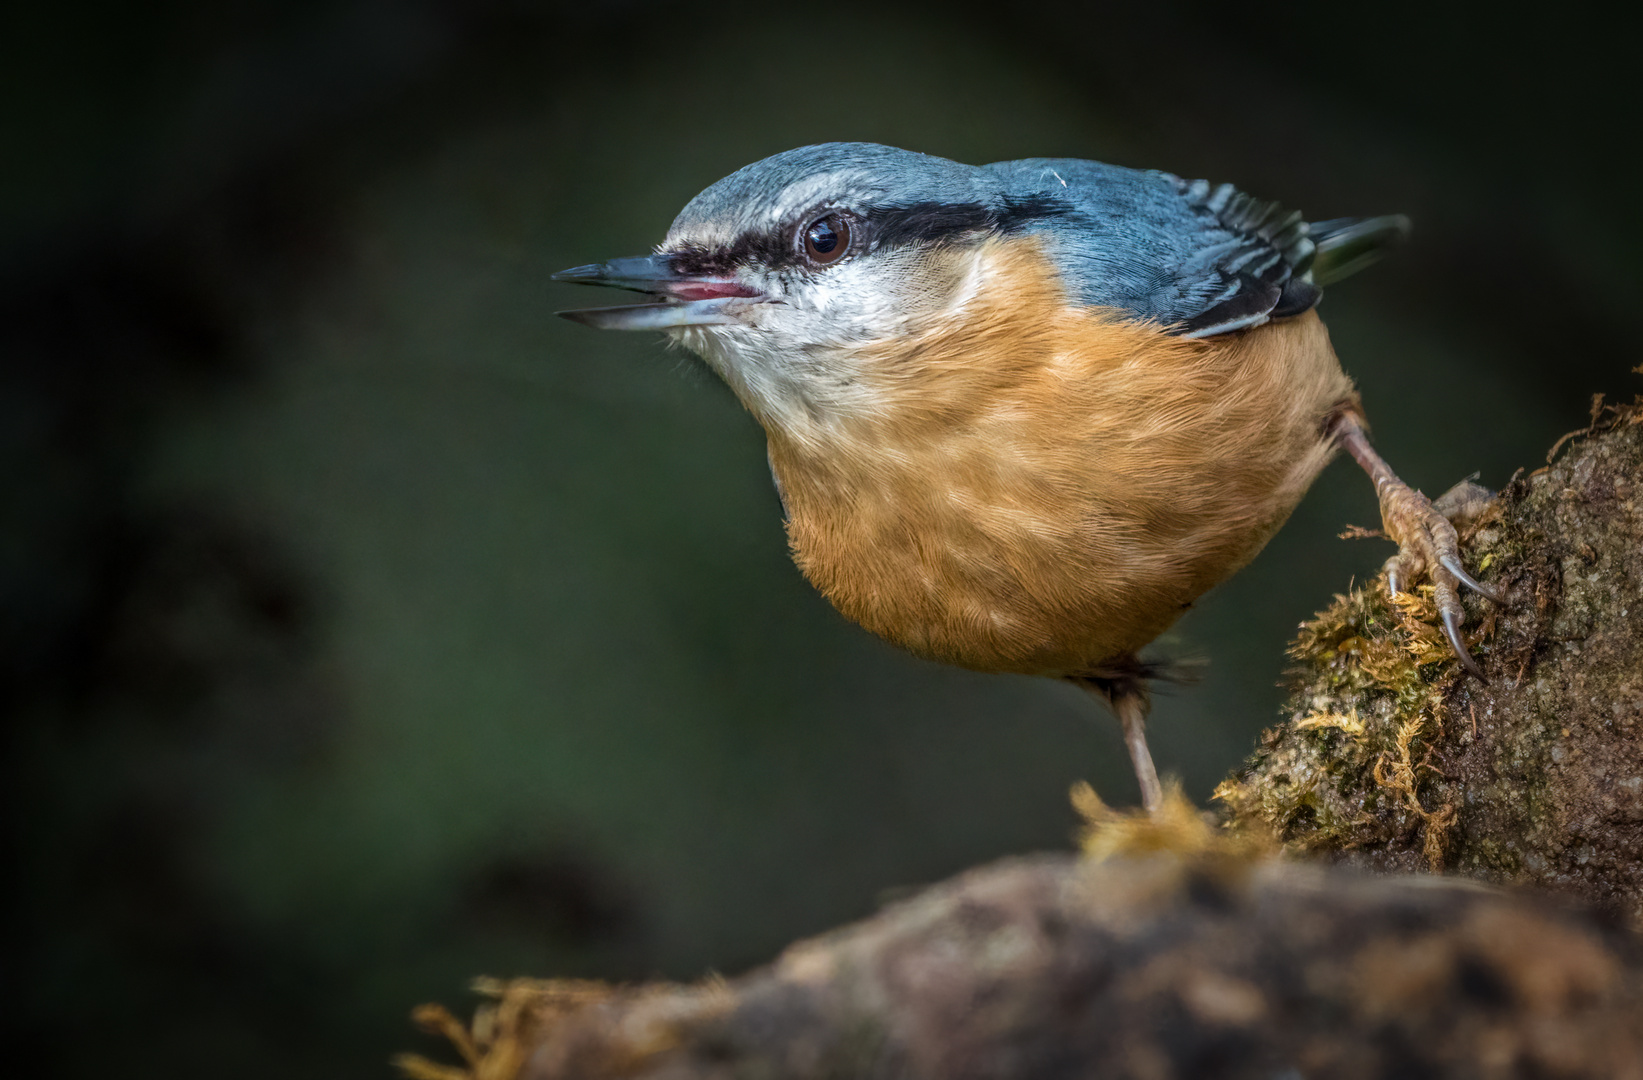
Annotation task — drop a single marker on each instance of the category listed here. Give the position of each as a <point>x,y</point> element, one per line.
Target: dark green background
<point>366,628</point>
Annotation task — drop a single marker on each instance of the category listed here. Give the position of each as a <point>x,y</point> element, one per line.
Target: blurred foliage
<point>366,628</point>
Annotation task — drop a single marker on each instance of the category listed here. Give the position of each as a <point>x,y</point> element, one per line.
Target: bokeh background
<point>365,628</point>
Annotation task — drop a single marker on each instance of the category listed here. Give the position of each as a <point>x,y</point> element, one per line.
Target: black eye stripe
<point>761,249</point>
<point>933,222</point>
<point>889,225</point>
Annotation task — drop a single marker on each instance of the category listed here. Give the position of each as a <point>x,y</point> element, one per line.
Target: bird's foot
<point>1427,543</point>
<point>1428,547</point>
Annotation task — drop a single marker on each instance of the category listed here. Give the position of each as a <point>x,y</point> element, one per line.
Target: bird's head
<point>783,274</point>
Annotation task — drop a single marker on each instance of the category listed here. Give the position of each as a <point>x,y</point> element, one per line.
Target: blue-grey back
<point>1179,253</point>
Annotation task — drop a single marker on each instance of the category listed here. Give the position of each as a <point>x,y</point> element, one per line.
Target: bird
<point>1021,416</point>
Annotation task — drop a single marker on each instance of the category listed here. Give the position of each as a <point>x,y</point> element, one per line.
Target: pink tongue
<point>710,290</point>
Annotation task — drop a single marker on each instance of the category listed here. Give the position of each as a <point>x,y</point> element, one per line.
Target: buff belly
<point>1053,487</point>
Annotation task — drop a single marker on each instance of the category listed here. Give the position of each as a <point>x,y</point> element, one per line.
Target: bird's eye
<point>827,239</point>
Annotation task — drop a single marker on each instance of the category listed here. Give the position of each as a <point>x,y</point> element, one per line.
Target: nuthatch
<point>1022,415</point>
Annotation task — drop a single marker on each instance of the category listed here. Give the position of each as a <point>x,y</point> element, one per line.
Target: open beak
<point>682,300</point>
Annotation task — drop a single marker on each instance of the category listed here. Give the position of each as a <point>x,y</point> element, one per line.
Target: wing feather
<point>1195,257</point>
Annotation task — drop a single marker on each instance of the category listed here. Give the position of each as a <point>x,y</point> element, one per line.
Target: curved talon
<point>1394,575</point>
<point>1454,566</point>
<point>1426,539</point>
<point>1451,630</point>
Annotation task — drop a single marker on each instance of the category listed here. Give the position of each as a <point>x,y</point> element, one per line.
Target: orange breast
<point>1040,488</point>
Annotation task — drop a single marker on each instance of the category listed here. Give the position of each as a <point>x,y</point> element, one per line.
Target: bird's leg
<point>1131,707</point>
<point>1127,695</point>
<point>1426,541</point>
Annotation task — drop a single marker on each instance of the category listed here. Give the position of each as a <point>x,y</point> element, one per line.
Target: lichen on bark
<point>1393,759</point>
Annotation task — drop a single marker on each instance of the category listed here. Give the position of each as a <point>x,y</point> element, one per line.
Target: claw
<point>1454,566</point>
<point>1394,574</point>
<point>1427,544</point>
<point>1451,630</point>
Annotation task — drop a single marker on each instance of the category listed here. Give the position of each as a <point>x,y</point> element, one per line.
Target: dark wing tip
<point>1252,303</point>
<point>1298,295</point>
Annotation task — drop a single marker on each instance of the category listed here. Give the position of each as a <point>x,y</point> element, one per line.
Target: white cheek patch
<point>812,353</point>
<point>850,300</point>
<point>890,294</point>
